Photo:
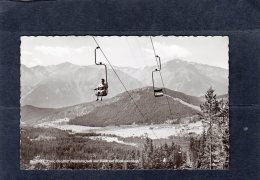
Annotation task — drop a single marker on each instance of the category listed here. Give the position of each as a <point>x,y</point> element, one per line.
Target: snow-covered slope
<point>185,103</point>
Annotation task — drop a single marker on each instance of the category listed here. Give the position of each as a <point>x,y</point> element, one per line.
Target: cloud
<point>61,52</point>
<point>169,52</point>
<point>31,62</point>
<point>56,54</point>
<point>26,53</point>
<point>124,51</point>
<point>53,51</point>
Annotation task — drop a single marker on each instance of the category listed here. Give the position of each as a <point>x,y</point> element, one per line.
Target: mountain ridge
<point>67,84</point>
<point>187,77</point>
<point>70,86</point>
<point>118,110</point>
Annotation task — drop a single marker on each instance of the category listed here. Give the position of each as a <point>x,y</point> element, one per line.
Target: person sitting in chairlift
<point>101,90</point>
<point>104,83</point>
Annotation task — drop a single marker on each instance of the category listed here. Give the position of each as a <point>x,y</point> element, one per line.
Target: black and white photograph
<point>124,102</point>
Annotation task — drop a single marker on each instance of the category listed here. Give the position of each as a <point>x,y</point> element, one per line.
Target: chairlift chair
<point>158,92</point>
<point>101,90</point>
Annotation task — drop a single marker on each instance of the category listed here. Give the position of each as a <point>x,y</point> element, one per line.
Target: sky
<point>124,51</point>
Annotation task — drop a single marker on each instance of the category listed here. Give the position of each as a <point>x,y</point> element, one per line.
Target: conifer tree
<point>213,153</point>
<point>224,123</point>
<point>148,151</point>
<point>203,158</point>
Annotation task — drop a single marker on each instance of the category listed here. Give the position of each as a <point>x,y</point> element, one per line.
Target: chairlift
<point>158,92</point>
<point>102,89</point>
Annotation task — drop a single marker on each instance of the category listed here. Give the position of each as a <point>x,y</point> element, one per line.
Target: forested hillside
<point>123,111</point>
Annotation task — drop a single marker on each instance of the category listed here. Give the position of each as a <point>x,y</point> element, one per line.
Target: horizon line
<point>141,67</point>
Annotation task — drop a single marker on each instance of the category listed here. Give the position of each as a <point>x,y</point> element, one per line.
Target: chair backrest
<point>104,93</point>
<point>158,90</point>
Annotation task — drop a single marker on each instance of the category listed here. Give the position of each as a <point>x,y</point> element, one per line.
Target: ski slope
<point>184,103</point>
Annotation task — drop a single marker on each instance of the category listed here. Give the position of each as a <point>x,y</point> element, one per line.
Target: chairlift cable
<point>161,77</point>
<point>119,79</point>
<point>154,51</point>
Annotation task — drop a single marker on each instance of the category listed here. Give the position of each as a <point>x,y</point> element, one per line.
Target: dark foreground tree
<point>214,144</point>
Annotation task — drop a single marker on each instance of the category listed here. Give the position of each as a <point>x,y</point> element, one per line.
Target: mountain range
<point>187,77</point>
<point>67,84</point>
<point>119,110</point>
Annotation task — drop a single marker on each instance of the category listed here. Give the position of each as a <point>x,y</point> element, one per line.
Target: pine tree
<point>148,151</point>
<point>203,158</point>
<point>214,148</point>
<point>165,150</point>
<point>211,105</point>
<point>224,123</point>
<point>208,108</point>
<point>157,159</point>
<point>194,150</point>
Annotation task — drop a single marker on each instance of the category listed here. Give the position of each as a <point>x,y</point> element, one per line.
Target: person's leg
<point>101,98</point>
<point>97,98</point>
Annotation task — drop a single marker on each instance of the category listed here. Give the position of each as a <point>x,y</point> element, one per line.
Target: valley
<point>54,143</point>
<point>153,131</point>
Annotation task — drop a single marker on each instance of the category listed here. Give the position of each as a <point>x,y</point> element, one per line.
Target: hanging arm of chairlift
<point>100,63</point>
<point>159,65</point>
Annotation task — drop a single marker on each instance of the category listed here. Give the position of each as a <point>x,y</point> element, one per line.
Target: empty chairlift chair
<point>158,92</point>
